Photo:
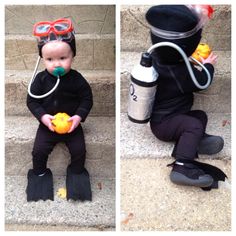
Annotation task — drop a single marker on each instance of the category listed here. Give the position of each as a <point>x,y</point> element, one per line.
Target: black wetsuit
<point>74,97</point>
<point>172,118</point>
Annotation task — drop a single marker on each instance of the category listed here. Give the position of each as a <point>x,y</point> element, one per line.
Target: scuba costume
<point>61,29</point>
<point>174,93</point>
<point>49,94</point>
<point>78,185</point>
<point>40,187</point>
<point>171,117</point>
<point>73,95</point>
<point>46,31</point>
<point>175,33</point>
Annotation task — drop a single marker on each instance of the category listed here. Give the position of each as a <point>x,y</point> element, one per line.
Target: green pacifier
<point>59,71</point>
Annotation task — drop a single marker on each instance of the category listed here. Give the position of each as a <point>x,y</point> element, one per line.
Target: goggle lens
<point>42,29</point>
<point>61,27</point>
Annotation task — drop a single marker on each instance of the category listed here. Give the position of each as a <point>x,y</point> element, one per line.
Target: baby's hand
<point>47,120</point>
<point>75,122</point>
<point>211,59</point>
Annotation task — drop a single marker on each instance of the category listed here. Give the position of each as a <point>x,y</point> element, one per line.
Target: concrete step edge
<point>98,213</point>
<point>15,125</point>
<point>102,83</point>
<point>100,147</point>
<point>92,53</point>
<point>217,98</point>
<point>90,75</point>
<point>222,67</point>
<point>217,32</point>
<point>137,140</point>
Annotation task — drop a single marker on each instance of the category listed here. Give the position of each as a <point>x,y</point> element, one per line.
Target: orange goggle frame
<point>59,27</point>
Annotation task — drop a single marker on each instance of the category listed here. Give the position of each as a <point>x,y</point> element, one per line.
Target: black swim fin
<point>40,187</point>
<point>78,185</point>
<point>194,173</point>
<point>216,173</point>
<point>189,174</point>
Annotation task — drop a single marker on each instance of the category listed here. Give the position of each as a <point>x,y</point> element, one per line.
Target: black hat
<point>71,42</point>
<point>178,18</point>
<point>174,18</point>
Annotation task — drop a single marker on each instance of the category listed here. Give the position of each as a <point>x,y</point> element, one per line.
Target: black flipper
<point>39,187</point>
<point>189,174</point>
<point>216,173</point>
<point>180,177</point>
<point>78,185</point>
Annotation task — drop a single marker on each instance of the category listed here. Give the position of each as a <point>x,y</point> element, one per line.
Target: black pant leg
<point>77,179</point>
<point>185,130</point>
<point>201,115</point>
<point>44,143</point>
<point>76,145</point>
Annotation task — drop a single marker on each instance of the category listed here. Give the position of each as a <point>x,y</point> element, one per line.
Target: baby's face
<point>57,54</point>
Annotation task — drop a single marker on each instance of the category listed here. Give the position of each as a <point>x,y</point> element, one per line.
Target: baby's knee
<point>194,126</point>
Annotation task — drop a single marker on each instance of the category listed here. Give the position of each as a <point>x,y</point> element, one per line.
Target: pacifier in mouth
<point>59,71</point>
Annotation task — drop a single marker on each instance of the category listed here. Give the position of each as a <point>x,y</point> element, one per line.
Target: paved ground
<point>97,214</point>
<point>149,201</point>
<point>17,227</point>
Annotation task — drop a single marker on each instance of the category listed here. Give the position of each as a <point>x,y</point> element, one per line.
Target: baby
<point>172,116</point>
<point>73,95</point>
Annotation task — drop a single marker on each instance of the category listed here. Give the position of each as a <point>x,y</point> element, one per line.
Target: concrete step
<point>86,19</point>
<point>102,83</point>
<point>138,142</point>
<point>217,33</point>
<point>216,99</point>
<point>97,215</point>
<point>94,52</point>
<point>151,202</point>
<point>100,145</point>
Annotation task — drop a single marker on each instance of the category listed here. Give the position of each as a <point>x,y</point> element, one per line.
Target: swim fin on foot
<point>40,187</point>
<point>78,185</point>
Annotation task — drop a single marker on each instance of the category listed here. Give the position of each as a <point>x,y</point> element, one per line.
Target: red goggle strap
<point>206,9</point>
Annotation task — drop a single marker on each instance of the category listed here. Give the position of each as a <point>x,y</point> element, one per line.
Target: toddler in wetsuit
<point>72,96</point>
<point>172,118</point>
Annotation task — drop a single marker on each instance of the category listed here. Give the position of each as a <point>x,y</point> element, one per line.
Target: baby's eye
<point>63,58</point>
<point>49,59</point>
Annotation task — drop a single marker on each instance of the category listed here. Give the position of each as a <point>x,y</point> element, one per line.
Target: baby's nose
<point>57,64</point>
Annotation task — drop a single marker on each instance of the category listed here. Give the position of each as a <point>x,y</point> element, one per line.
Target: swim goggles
<point>202,12</point>
<point>61,29</point>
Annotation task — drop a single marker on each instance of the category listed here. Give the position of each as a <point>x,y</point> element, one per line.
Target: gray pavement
<point>100,213</point>
<point>150,202</point>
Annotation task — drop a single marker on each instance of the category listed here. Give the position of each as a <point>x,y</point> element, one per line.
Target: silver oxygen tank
<point>142,90</point>
<point>143,83</point>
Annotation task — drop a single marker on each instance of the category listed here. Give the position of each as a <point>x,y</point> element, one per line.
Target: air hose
<point>186,60</point>
<point>58,71</point>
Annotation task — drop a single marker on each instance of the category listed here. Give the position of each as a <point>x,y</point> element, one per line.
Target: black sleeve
<point>86,100</point>
<point>34,104</point>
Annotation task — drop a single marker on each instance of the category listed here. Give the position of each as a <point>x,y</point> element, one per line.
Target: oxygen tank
<point>142,90</point>
<point>143,83</point>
